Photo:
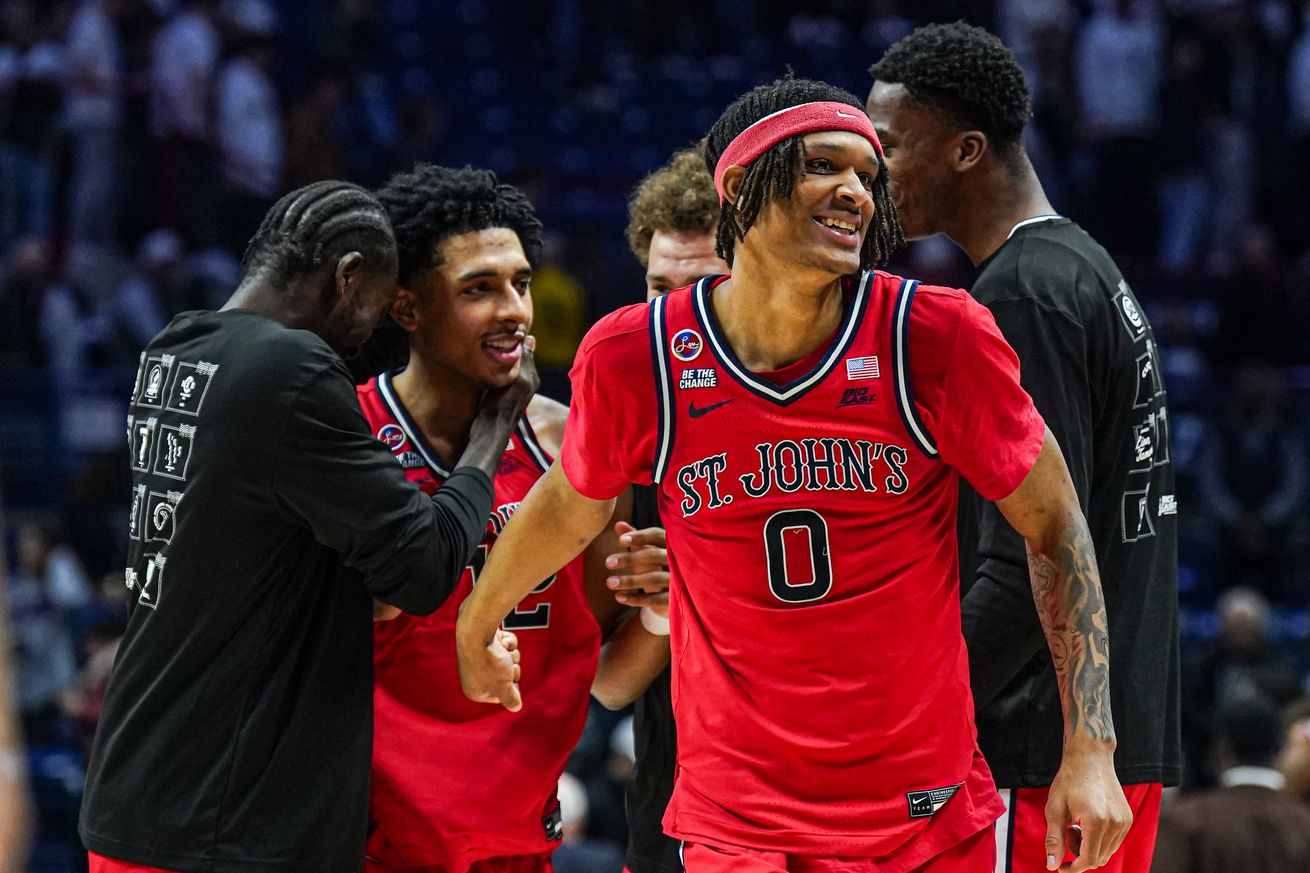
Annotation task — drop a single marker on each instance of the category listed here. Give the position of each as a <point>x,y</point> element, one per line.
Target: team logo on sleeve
<point>686,345</point>
<point>392,436</point>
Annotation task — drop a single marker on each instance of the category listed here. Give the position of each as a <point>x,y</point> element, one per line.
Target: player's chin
<point>500,377</point>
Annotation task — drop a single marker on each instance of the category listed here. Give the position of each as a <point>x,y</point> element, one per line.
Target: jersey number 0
<point>796,544</point>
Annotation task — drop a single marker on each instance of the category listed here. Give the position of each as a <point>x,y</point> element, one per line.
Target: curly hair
<point>678,197</point>
<point>316,224</point>
<point>773,175</point>
<point>430,204</point>
<point>964,72</point>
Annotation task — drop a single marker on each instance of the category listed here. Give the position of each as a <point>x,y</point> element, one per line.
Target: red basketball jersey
<point>454,780</point>
<point>820,680</point>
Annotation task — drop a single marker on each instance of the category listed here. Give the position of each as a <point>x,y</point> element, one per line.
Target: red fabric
<point>455,781</point>
<point>101,864</point>
<point>773,129</point>
<point>1026,851</point>
<point>538,863</point>
<point>840,705</point>
<point>977,854</point>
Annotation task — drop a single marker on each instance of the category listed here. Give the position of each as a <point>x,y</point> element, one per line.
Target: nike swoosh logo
<point>846,115</point>
<point>697,413</point>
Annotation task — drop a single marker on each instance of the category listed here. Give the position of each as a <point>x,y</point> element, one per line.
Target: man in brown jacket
<point>1248,823</point>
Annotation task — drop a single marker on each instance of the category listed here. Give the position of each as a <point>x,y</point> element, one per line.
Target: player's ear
<point>402,309</point>
<point>348,274</point>
<point>732,179</point>
<point>969,148</point>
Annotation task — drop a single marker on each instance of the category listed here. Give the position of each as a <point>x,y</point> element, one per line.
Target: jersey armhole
<point>910,417</point>
<point>531,444</point>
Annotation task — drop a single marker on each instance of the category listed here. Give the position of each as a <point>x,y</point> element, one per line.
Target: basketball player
<point>672,217</point>
<point>950,104</point>
<point>237,727</point>
<point>458,786</point>
<point>806,421</point>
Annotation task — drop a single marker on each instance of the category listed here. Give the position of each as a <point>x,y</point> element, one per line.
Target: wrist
<point>1082,745</point>
<point>654,623</point>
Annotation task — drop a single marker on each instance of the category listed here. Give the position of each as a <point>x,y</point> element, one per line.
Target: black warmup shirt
<point>237,728</point>
<point>656,748</point>
<point>1090,362</point>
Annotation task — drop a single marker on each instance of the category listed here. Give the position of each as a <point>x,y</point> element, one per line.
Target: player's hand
<point>508,403</point>
<point>640,575</point>
<point>1087,803</point>
<point>490,673</point>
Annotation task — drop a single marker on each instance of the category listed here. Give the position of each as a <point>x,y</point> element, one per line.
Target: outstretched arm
<point>1067,590</point>
<point>550,528</point>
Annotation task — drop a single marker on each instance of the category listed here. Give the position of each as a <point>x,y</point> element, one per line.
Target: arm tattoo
<point>1067,590</point>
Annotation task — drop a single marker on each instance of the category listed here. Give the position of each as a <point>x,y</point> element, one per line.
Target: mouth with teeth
<point>845,232</point>
<point>505,350</point>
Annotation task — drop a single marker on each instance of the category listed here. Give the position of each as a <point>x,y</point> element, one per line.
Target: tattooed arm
<point>1067,591</point>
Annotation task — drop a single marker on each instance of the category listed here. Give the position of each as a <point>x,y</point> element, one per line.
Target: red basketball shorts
<point>974,855</point>
<point>1021,832</point>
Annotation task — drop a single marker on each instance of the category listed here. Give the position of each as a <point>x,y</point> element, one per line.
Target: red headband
<point>773,129</point>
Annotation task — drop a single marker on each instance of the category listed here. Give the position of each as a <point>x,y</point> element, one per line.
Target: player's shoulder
<point>547,418</point>
<point>934,308</point>
<point>618,335</point>
<point>1042,263</point>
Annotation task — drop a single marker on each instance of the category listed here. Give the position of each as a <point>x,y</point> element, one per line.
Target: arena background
<point>141,141</point>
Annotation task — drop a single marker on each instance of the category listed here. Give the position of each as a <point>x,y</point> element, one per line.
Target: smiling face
<point>918,144</point>
<point>471,312</point>
<point>823,224</point>
<point>678,258</point>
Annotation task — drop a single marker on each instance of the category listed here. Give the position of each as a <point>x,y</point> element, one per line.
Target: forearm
<point>1066,588</point>
<point>629,662</point>
<point>551,527</point>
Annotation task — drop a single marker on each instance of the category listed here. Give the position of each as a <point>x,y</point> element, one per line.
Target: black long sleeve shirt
<point>1089,359</point>
<point>237,727</point>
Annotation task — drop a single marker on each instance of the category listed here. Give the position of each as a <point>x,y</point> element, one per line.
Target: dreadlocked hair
<point>773,175</point>
<point>316,224</point>
<point>965,73</point>
<point>430,204</point>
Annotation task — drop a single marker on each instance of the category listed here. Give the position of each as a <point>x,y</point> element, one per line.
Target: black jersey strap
<point>533,445</point>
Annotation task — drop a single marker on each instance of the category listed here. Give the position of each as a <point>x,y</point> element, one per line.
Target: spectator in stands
<point>31,94</point>
<point>1118,62</point>
<point>1250,823</point>
<point>24,276</point>
<point>1254,480</point>
<point>249,129</point>
<point>1294,763</point>
<point>93,108</point>
<point>578,853</point>
<point>1245,660</point>
<point>185,59</point>
<point>82,701</point>
<point>157,289</point>
<point>47,583</point>
<point>15,804</point>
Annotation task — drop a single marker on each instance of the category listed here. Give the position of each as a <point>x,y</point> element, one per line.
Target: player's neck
<point>442,403</point>
<point>771,317</point>
<point>991,208</point>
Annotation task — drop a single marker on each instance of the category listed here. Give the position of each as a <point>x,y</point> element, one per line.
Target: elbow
<point>611,695</point>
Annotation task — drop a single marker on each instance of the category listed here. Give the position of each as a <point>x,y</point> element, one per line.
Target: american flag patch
<point>862,368</point>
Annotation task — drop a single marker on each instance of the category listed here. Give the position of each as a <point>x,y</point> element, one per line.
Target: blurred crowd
<point>142,140</point>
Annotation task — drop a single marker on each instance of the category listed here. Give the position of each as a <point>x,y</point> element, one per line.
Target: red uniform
<point>820,682</point>
<point>456,781</point>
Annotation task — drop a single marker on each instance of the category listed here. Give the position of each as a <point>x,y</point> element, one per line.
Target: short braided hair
<point>965,73</point>
<point>773,175</point>
<point>679,197</point>
<point>430,204</point>
<point>316,224</point>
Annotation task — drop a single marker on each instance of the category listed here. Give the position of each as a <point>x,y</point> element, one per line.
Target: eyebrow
<point>490,274</point>
<point>836,147</point>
